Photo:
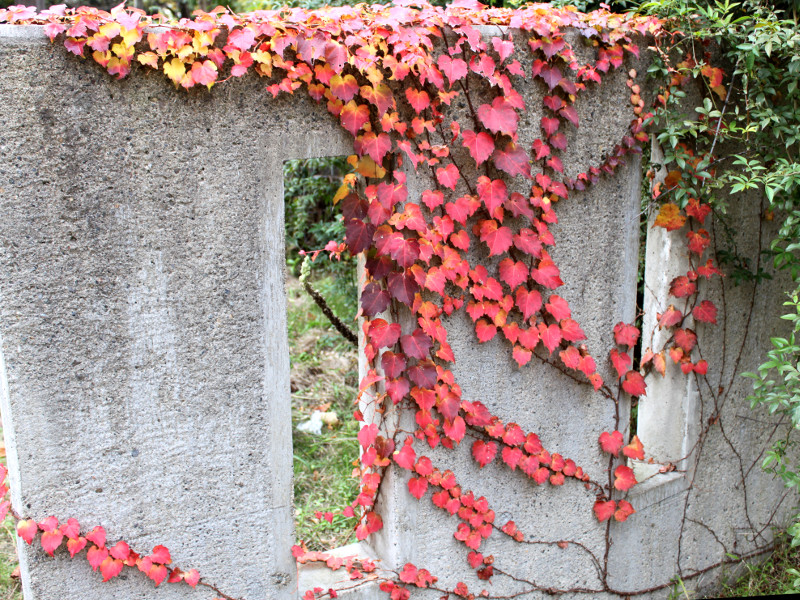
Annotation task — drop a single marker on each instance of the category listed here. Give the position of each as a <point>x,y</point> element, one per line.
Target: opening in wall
<point>322,303</point>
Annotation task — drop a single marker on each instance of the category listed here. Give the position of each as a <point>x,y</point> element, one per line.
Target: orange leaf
<point>635,449</point>
<point>669,217</point>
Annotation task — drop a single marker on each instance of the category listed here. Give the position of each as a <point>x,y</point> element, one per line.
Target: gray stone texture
<point>142,317</point>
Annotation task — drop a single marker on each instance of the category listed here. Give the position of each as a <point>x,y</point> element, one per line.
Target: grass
<point>10,588</point>
<point>324,377</point>
<point>779,574</point>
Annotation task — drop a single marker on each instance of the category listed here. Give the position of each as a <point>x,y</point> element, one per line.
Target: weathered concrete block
<point>143,320</point>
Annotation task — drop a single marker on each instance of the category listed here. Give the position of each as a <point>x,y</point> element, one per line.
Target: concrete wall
<point>145,376</point>
<point>142,317</point>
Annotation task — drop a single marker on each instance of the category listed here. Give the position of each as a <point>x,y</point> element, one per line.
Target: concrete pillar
<point>145,384</point>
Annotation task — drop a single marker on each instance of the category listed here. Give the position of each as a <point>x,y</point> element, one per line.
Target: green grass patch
<point>10,588</point>
<point>779,574</point>
<point>324,374</point>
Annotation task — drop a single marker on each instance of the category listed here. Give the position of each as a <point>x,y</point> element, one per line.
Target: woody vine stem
<point>477,240</point>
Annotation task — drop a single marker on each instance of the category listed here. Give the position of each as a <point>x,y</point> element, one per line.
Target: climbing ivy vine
<point>478,239</point>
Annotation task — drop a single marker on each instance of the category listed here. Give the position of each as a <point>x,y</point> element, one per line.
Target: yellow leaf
<point>110,30</point>
<point>368,168</point>
<point>123,51</point>
<point>148,58</point>
<point>131,36</point>
<point>201,41</point>
<point>175,70</point>
<point>185,52</point>
<point>101,57</point>
<point>343,190</point>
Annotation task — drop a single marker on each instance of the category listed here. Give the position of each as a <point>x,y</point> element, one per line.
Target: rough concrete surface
<point>143,334</point>
<point>142,317</point>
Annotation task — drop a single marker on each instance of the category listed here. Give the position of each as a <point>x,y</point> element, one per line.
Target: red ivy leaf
<point>354,116</point>
<point>497,239</point>
<point>448,176</point>
<point>51,540</point>
<point>75,545</point>
<point>570,114</point>
<point>344,88</point>
<point>110,568</point>
<point>417,486</point>
<point>546,273</point>
<point>604,510</point>
<point>192,577</point>
<point>540,149</point>
<point>374,299</point>
<point>513,160</point>
<point>624,510</point>
<point>484,452</point>
<point>492,192</point>
<point>521,355</point>
<point>528,301</point>
<point>611,442</point>
<point>621,361</point>
<point>383,334</point>
<point>670,318</point>
<point>480,145</point>
<point>698,241</point>
<point>393,364</point>
<point>27,530</point>
<point>550,336</point>
<point>417,345</point>
<point>484,330</point>
<point>418,99</point>
<point>358,235</point>
<point>558,308</point>
<point>697,210</point>
<point>686,339</point>
<point>367,435</point>
<point>626,335</point>
<point>634,384</point>
<point>624,478</point>
<point>453,68</point>
<point>374,146</point>
<point>372,523</point>
<point>405,457</point>
<point>96,556</point>
<point>513,273</point>
<point>705,312</point>
<point>120,551</point>
<point>97,536</point>
<point>570,357</point>
<point>499,117</point>
<point>682,287</point>
<point>550,125</point>
<point>403,287</point>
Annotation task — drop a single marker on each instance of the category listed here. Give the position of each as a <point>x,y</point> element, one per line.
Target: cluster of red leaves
<point>109,560</point>
<point>684,339</point>
<point>482,245</point>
